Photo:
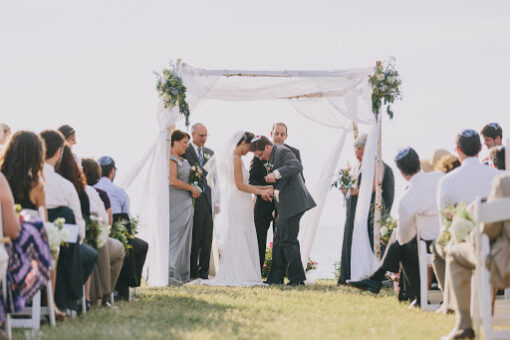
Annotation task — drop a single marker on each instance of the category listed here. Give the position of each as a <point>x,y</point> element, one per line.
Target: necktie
<point>200,156</point>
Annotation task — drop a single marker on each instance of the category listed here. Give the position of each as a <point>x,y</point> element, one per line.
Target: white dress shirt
<point>96,203</point>
<point>464,184</point>
<point>419,201</point>
<point>61,192</point>
<point>118,197</point>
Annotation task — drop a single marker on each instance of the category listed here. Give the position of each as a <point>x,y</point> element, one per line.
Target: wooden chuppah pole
<point>355,130</point>
<point>379,169</point>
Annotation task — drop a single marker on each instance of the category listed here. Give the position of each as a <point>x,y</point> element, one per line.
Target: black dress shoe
<point>267,282</point>
<point>204,276</point>
<point>366,284</point>
<point>458,334</point>
<point>295,284</point>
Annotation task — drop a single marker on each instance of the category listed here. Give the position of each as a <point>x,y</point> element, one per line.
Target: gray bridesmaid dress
<point>181,223</point>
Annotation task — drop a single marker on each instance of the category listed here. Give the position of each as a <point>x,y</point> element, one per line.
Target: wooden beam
<point>379,174</point>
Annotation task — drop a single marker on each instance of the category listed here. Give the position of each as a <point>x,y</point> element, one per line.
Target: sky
<point>90,64</point>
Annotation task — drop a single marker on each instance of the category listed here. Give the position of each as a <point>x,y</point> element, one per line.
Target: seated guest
<point>461,263</point>
<point>120,208</point>
<point>70,138</point>
<point>464,184</point>
<point>5,134</point>
<point>447,163</point>
<point>77,261</point>
<point>111,256</point>
<point>22,163</point>
<point>492,134</point>
<point>497,157</point>
<point>418,202</point>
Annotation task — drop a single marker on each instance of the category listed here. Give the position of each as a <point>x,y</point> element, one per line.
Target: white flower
<point>384,230</point>
<point>54,239</point>
<point>380,76</point>
<point>64,234</point>
<point>391,80</point>
<point>460,229</point>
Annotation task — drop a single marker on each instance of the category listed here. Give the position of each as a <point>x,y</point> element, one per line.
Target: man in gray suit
<point>292,201</point>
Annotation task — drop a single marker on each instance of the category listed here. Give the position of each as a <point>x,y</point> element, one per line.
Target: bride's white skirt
<point>239,261</point>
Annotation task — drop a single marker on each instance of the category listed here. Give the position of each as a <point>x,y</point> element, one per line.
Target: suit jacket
<point>293,197</point>
<point>258,173</point>
<point>297,154</point>
<point>499,234</point>
<point>192,158</point>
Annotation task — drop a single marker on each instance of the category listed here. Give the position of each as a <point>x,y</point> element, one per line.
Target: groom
<point>292,200</point>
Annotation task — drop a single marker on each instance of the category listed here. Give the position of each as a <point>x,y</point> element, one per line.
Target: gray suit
<point>293,201</point>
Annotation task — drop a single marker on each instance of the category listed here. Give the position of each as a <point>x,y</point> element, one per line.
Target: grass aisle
<point>321,311</point>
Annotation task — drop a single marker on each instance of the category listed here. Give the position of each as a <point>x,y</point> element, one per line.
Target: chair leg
<point>112,298</point>
<point>8,326</point>
<point>130,297</point>
<point>36,311</point>
<point>51,306</point>
<point>84,302</point>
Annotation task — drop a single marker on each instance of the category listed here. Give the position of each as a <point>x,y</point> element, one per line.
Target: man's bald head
<point>199,134</point>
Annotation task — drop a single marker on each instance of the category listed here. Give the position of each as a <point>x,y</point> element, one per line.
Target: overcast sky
<point>90,64</point>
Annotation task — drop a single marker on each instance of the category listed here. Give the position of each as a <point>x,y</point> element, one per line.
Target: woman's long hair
<point>70,170</point>
<point>22,162</point>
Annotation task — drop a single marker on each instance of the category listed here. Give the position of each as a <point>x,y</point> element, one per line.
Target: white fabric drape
<point>330,98</point>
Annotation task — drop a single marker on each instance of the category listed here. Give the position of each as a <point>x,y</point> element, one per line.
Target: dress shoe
<point>295,284</point>
<point>366,284</point>
<point>106,304</point>
<point>271,283</point>
<point>458,334</point>
<point>204,276</point>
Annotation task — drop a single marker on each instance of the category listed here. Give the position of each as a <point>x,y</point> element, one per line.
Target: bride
<point>239,263</point>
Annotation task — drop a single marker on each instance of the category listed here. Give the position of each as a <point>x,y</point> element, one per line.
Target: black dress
<point>388,193</point>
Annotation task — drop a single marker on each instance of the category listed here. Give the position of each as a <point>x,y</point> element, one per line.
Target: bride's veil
<point>225,168</point>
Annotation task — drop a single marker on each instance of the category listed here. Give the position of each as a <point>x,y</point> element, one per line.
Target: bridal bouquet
<point>96,232</point>
<point>172,91</point>
<point>57,236</point>
<point>344,179</point>
<point>385,86</point>
<point>195,177</point>
<point>388,224</point>
<point>119,232</point>
<point>456,226</point>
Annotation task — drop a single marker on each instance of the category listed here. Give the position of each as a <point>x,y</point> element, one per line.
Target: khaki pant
<point>107,270</point>
<point>460,264</point>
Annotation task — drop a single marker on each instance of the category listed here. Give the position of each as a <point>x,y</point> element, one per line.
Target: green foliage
<point>173,92</point>
<point>385,87</point>
<point>387,225</point>
<point>119,232</point>
<point>96,232</point>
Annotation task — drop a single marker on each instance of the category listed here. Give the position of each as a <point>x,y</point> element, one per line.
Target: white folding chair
<point>491,212</point>
<point>35,312</point>
<point>3,280</point>
<point>425,261</point>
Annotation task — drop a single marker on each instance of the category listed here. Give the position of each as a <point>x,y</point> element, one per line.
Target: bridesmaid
<point>181,210</point>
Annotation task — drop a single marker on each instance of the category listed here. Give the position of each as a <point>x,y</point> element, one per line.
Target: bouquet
<point>456,226</point>
<point>195,177</point>
<point>119,232</point>
<point>172,91</point>
<point>96,232</point>
<point>57,236</point>
<point>385,86</point>
<point>388,224</point>
<point>344,179</point>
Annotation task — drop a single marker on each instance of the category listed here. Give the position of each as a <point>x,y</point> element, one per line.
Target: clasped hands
<point>267,193</point>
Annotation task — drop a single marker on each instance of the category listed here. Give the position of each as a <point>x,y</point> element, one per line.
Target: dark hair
<point>447,163</point>
<point>22,161</point>
<point>66,130</point>
<point>70,170</point>
<point>53,140</point>
<point>247,137</point>
<point>258,143</point>
<point>281,124</point>
<point>492,130</point>
<point>408,161</point>
<point>177,136</point>
<point>469,142</point>
<point>497,157</point>
<point>91,169</point>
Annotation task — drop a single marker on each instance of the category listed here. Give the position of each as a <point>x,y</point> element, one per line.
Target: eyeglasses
<point>494,125</point>
<point>402,153</point>
<point>468,133</point>
<point>105,160</point>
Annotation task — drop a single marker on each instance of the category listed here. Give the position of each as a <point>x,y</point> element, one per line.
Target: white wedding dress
<point>239,257</point>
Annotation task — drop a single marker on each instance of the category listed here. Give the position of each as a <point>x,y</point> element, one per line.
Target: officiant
<point>388,192</point>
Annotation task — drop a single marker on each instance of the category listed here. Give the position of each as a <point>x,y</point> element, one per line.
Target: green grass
<point>321,311</point>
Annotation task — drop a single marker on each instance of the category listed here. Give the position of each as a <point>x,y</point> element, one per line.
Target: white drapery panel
<point>330,98</point>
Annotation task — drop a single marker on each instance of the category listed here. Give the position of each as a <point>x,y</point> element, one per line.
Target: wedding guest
<point>77,260</point>
<point>472,179</point>
<point>429,165</point>
<point>205,206</point>
<point>22,165</point>
<point>70,137</point>
<point>181,209</point>
<point>388,186</point>
<point>461,263</point>
<point>131,272</point>
<point>417,203</point>
<point>497,157</point>
<point>448,163</point>
<point>111,255</point>
<point>492,134</point>
<point>5,134</point>
<point>93,172</point>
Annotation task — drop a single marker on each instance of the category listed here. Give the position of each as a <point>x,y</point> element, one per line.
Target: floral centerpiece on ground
<point>266,268</point>
<point>96,232</point>
<point>172,91</point>
<point>456,226</point>
<point>344,179</point>
<point>385,86</point>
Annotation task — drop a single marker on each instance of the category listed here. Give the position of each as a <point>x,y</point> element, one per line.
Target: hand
<point>343,190</point>
<point>271,178</point>
<point>195,192</point>
<point>267,194</point>
<point>217,210</point>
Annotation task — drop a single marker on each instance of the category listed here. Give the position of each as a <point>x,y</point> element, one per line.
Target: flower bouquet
<point>195,177</point>
<point>456,226</point>
<point>344,179</point>
<point>96,232</point>
<point>172,91</point>
<point>385,86</point>
<point>388,224</point>
<point>57,236</point>
<point>119,232</point>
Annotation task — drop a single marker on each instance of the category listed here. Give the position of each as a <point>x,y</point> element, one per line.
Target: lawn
<point>321,311</point>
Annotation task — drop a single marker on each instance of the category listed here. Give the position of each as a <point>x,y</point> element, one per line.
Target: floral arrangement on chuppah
<point>172,91</point>
<point>385,86</point>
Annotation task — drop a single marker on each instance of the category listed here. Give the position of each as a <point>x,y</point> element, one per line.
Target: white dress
<point>239,261</point>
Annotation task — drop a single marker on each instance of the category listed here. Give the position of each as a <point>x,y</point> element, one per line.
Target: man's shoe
<point>271,283</point>
<point>457,334</point>
<point>366,284</point>
<point>204,276</point>
<point>295,284</point>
